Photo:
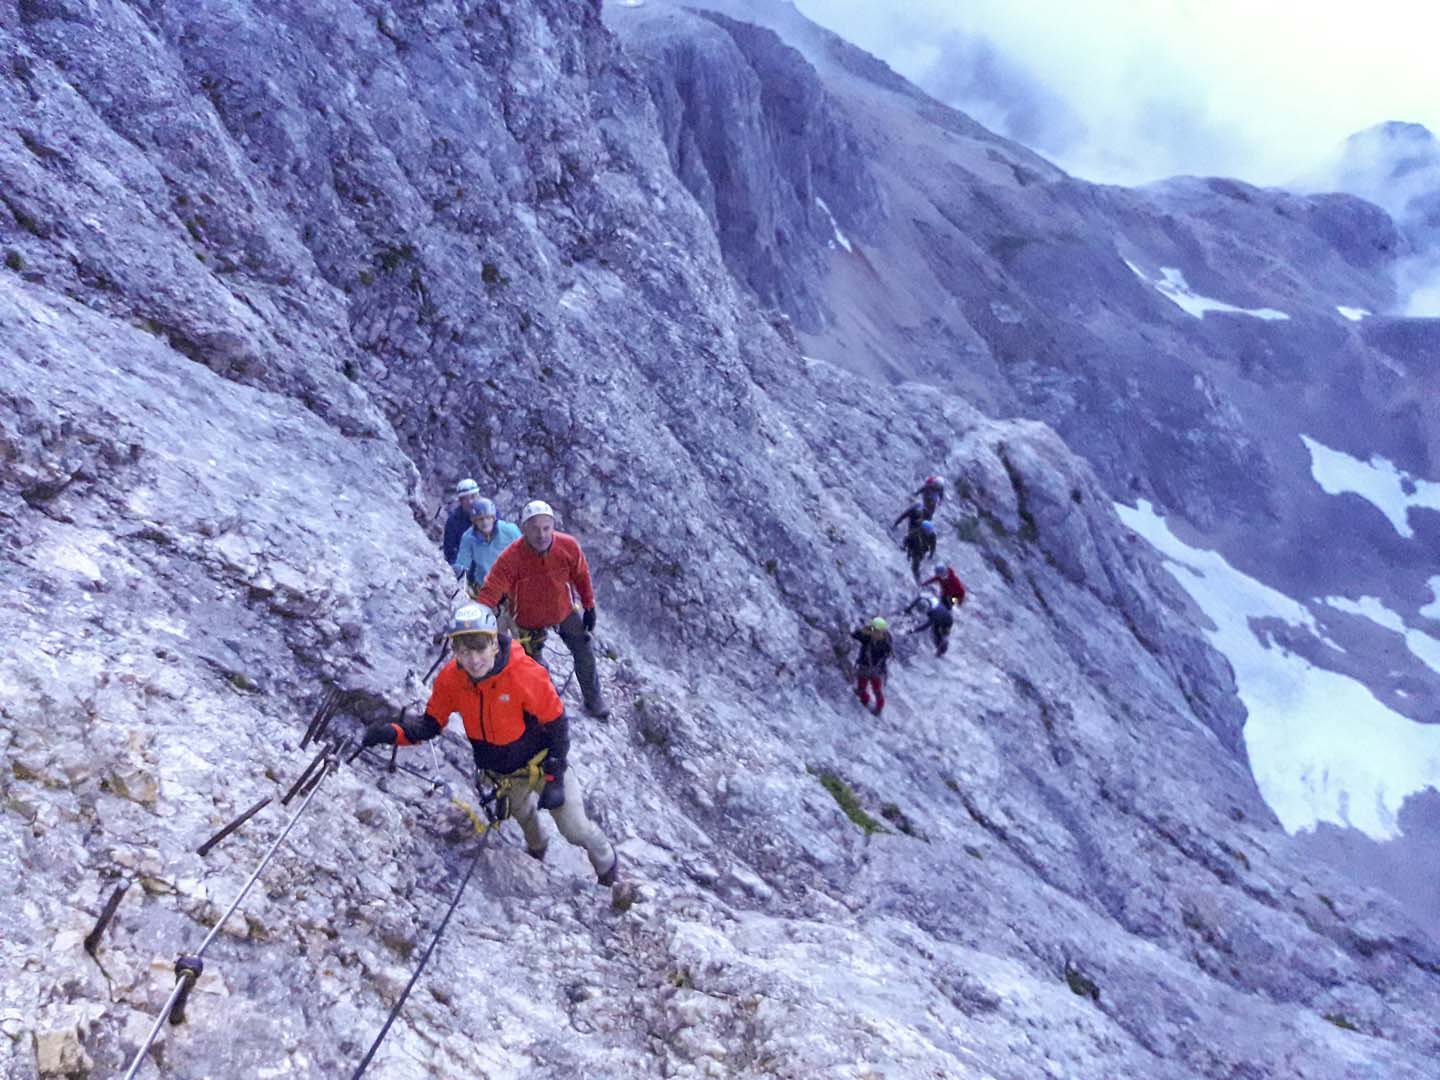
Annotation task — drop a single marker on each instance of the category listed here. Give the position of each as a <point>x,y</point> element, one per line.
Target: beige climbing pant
<point>570,819</point>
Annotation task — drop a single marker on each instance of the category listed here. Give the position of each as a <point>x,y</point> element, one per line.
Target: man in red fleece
<point>542,575</point>
<point>952,589</point>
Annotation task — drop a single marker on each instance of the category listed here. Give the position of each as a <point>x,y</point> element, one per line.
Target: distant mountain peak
<point>1395,130</point>
<point>1394,150</point>
<point>1395,165</point>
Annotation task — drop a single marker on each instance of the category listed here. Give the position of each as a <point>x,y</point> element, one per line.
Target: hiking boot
<point>608,877</point>
<point>538,854</point>
<point>877,710</point>
<point>597,708</point>
<point>624,896</point>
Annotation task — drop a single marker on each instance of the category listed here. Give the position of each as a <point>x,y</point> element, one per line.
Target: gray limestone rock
<point>285,272</point>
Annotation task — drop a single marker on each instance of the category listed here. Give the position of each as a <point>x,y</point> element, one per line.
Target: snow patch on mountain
<point>840,238</point>
<point>1354,314</point>
<point>1173,286</point>
<point>1424,646</point>
<point>1322,747</point>
<point>1377,481</point>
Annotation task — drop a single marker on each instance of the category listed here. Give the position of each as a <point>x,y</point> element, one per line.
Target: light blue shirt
<point>477,554</point>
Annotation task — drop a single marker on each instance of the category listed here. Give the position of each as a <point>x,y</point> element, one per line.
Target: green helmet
<point>472,619</point>
<point>879,623</point>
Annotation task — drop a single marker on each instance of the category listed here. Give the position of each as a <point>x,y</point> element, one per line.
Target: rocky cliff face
<point>1231,355</point>
<point>274,276</point>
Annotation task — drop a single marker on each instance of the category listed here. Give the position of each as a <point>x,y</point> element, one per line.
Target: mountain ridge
<point>417,242</point>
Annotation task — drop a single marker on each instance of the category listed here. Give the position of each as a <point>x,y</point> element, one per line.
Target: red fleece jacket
<point>539,585</point>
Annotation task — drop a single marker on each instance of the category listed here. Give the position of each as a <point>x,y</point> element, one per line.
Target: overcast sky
<point>1127,92</point>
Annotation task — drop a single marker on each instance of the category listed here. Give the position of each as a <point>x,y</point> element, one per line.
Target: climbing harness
<point>509,786</point>
<point>532,641</point>
<point>189,968</point>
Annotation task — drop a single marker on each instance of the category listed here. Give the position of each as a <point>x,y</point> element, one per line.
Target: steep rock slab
<point>742,533</point>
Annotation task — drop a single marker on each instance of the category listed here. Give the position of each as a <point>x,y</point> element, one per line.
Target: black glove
<point>587,620</point>
<point>552,795</point>
<point>376,734</point>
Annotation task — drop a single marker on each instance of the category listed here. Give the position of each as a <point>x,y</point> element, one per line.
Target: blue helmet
<point>482,507</point>
<point>927,526</point>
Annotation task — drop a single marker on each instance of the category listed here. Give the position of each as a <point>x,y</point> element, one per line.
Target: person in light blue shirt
<point>483,542</point>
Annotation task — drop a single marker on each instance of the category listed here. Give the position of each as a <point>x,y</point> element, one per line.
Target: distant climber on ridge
<point>875,649</point>
<point>466,491</point>
<point>952,589</point>
<point>483,542</point>
<point>919,543</point>
<point>938,620</point>
<point>912,515</point>
<point>541,574</point>
<point>511,714</point>
<point>932,494</point>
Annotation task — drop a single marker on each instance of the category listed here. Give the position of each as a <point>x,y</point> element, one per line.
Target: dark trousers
<point>941,635</point>
<point>572,632</point>
<point>918,549</point>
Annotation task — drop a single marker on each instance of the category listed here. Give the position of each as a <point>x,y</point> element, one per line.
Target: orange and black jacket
<point>510,714</point>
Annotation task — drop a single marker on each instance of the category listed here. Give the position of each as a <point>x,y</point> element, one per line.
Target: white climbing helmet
<point>467,487</point>
<point>472,619</point>
<point>536,508</point>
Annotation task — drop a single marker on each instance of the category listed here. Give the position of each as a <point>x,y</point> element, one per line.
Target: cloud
<point>1397,167</point>
<point>1123,92</point>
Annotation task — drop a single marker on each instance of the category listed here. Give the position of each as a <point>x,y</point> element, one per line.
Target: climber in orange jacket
<point>511,712</point>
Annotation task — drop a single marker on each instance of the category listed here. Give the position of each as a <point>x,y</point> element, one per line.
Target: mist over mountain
<point>1126,93</point>
<point>722,288</point>
<point>1396,165</point>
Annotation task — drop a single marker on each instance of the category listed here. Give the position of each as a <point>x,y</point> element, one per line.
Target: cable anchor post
<point>188,970</point>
